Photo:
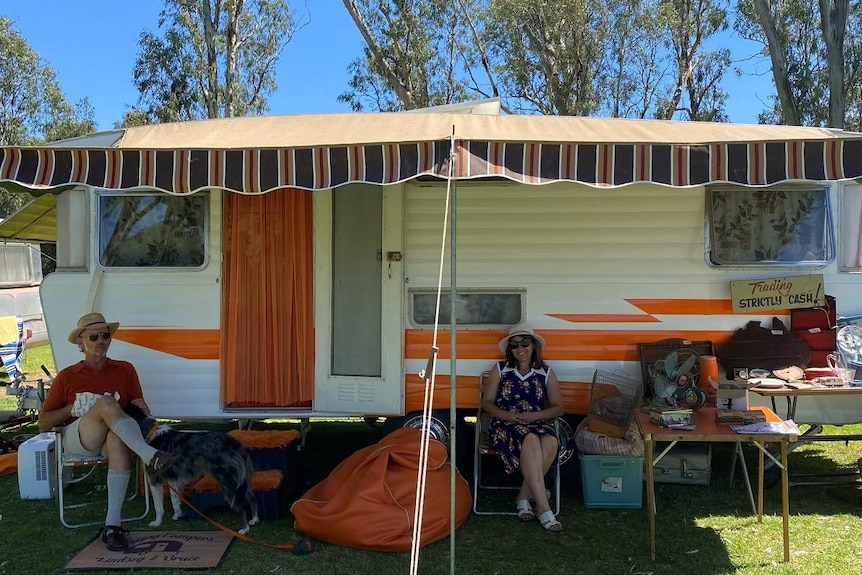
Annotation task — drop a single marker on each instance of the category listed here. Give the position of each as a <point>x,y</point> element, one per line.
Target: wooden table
<point>708,431</point>
<point>791,392</point>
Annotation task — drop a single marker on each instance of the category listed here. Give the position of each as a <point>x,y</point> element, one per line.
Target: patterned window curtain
<point>851,228</point>
<point>783,226</point>
<point>267,315</point>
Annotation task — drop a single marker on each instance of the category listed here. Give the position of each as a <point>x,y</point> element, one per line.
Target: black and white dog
<point>198,454</point>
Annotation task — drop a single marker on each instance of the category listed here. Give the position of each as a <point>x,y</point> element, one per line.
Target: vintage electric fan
<point>675,379</point>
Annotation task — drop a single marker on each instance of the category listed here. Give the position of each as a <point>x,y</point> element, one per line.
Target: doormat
<point>156,550</point>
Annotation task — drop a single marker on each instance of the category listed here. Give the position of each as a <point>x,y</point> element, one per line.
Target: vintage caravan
<point>289,266</point>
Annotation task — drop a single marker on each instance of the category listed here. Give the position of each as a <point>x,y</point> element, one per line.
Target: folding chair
<point>483,450</point>
<point>13,338</point>
<point>74,469</point>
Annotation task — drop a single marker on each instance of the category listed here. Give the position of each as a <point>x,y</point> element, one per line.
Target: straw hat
<point>93,320</point>
<point>521,329</point>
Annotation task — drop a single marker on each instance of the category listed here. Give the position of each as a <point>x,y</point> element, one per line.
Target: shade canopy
<point>260,154</point>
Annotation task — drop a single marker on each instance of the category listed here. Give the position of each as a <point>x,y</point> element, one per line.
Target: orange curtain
<point>267,313</point>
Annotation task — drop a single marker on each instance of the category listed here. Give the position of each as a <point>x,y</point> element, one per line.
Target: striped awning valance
<point>252,171</point>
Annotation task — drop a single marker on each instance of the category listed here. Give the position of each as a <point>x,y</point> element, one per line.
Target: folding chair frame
<point>483,448</point>
<point>66,464</point>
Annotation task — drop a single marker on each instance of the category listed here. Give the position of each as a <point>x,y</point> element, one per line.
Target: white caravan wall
<point>175,299</point>
<point>582,250</point>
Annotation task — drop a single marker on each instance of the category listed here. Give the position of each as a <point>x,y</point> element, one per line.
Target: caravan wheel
<point>438,428</point>
<point>567,441</point>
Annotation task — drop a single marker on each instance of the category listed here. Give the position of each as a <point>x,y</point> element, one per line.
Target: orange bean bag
<point>368,500</point>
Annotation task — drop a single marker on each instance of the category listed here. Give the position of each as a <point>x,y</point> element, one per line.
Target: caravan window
<point>475,308</point>
<point>787,226</point>
<point>20,265</point>
<point>851,228</point>
<point>152,230</point>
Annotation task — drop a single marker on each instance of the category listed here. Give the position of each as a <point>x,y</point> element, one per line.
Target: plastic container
<point>611,481</point>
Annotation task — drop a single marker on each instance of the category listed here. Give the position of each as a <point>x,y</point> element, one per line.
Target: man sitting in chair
<point>88,398</point>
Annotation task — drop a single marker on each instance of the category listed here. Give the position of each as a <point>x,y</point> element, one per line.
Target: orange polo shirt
<point>116,376</point>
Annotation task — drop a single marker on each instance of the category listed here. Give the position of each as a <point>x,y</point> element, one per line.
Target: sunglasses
<point>515,344</point>
<point>105,335</point>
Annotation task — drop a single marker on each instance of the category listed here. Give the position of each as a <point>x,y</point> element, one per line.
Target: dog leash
<point>302,547</point>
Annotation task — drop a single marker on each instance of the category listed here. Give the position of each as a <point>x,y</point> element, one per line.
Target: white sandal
<point>525,510</point>
<point>549,522</point>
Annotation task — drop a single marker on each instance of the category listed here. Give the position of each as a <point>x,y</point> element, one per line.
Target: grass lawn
<point>701,529</point>
<point>31,361</point>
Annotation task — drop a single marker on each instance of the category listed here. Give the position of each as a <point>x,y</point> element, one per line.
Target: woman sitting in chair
<point>523,397</point>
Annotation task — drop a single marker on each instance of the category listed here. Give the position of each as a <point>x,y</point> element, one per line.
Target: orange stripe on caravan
<point>185,343</point>
<point>694,307</point>
<point>569,345</point>
<point>605,318</point>
<point>662,307</point>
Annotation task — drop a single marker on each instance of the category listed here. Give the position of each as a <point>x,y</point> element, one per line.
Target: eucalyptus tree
<point>417,53</point>
<point>815,62</point>
<point>33,108</point>
<point>689,25</point>
<point>211,59</point>
<point>630,58</point>
<point>549,55</point>
<point>636,70</point>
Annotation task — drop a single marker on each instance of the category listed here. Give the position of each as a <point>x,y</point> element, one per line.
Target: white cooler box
<point>37,467</point>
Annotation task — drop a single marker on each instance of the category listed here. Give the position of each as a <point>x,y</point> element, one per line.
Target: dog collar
<point>151,432</point>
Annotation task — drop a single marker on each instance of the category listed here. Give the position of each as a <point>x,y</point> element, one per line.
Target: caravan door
<point>358,277</point>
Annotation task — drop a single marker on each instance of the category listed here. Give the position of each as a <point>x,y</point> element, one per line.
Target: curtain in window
<point>267,315</point>
<point>851,228</point>
<point>785,226</point>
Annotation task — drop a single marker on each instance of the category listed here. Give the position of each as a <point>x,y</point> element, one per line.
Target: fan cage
<point>614,397</point>
<point>651,352</point>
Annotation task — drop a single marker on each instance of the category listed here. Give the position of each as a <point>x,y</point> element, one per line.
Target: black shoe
<point>115,538</point>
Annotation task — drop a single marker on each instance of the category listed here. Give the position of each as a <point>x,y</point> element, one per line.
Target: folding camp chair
<point>13,338</point>
<point>484,450</point>
<point>74,469</point>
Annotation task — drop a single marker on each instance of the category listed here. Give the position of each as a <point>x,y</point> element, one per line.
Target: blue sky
<point>92,44</point>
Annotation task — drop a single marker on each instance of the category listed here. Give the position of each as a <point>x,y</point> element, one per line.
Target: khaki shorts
<point>72,442</point>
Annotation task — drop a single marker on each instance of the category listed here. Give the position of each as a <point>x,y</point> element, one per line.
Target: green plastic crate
<point>612,481</point>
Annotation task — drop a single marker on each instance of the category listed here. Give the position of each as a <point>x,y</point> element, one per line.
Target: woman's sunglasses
<point>105,335</point>
<point>514,344</point>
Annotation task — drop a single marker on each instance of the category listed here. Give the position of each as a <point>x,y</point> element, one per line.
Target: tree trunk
<point>833,22</point>
<point>789,109</point>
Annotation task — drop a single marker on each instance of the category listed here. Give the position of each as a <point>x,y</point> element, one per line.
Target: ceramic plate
<point>791,373</point>
<point>766,382</point>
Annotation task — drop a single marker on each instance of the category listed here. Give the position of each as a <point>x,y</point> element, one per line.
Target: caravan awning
<point>35,222</point>
<point>260,154</point>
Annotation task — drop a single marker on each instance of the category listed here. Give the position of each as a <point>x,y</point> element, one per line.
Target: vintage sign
<point>777,293</point>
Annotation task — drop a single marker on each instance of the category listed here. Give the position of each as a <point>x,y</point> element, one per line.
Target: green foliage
<point>415,51</point>
<point>212,59</point>
<point>33,109</point>
<point>629,58</point>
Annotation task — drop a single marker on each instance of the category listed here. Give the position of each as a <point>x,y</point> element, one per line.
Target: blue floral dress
<point>520,393</point>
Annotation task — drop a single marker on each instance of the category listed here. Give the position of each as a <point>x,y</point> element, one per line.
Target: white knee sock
<point>128,430</point>
<point>118,483</point>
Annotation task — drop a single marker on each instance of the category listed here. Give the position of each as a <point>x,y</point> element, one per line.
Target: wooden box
<point>668,417</point>
<point>738,416</point>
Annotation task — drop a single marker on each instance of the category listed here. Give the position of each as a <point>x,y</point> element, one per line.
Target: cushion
<point>592,443</point>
